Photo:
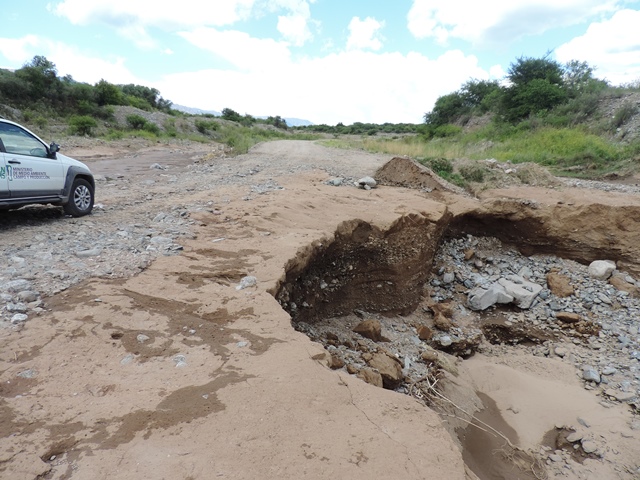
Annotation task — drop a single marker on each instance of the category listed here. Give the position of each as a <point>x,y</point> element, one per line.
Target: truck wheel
<point>80,199</point>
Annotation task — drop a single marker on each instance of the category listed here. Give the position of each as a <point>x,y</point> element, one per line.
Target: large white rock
<point>522,291</point>
<point>482,298</point>
<point>601,269</point>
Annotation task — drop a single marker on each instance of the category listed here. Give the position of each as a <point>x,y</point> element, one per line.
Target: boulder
<point>522,291</point>
<point>601,269</point>
<point>370,376</point>
<point>481,298</point>
<point>389,369</point>
<point>366,182</point>
<point>559,285</point>
<point>370,329</point>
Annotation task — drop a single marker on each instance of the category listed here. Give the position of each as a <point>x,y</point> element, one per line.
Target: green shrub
<point>204,126</point>
<point>441,166</point>
<point>170,127</point>
<point>623,114</point>
<point>82,125</point>
<point>447,130</point>
<point>136,122</point>
<point>151,128</point>
<point>473,173</point>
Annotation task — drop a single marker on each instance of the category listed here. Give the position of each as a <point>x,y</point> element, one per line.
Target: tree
<point>447,109</point>
<point>108,94</point>
<point>537,84</point>
<point>41,76</point>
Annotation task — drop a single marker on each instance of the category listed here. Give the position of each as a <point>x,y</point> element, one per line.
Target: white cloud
<point>68,60</point>
<point>133,18</point>
<point>344,87</point>
<point>495,21</point>
<point>183,13</point>
<point>240,49</point>
<point>365,34</point>
<point>295,29</point>
<point>18,49</point>
<point>613,46</point>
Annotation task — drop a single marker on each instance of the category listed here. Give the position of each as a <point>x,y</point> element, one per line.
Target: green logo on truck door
<point>3,173</point>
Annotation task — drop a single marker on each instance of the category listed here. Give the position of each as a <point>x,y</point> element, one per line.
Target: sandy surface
<point>220,385</point>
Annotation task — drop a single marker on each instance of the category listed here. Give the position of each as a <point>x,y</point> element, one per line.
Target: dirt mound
<point>405,172</point>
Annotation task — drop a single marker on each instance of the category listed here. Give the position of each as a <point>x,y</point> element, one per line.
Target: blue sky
<point>327,61</point>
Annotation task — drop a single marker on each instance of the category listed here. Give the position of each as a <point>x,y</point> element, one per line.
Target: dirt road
<point>143,358</point>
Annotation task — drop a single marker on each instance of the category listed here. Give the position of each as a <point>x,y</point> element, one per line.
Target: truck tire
<point>80,199</point>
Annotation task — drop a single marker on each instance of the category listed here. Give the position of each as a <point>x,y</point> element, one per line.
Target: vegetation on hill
<point>36,95</point>
<point>558,116</point>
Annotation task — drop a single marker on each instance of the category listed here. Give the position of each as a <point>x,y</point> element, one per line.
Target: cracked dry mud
<point>142,359</point>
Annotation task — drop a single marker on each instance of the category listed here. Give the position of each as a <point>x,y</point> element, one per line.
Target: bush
<point>82,125</point>
<point>204,126</point>
<point>623,114</point>
<point>441,166</point>
<point>151,128</point>
<point>137,122</point>
<point>473,173</point>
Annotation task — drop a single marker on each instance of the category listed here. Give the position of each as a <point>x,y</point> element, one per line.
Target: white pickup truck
<point>33,172</point>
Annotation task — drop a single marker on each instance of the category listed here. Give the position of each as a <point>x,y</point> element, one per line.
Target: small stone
<point>442,323</point>
<point>555,458</point>
<point>589,446</point>
<point>608,371</point>
<point>424,333</point>
<point>469,253</point>
<point>16,308</point>
<point>590,374</point>
<point>335,362</point>
<point>560,351</point>
<point>448,278</point>
<point>247,282</point>
<point>19,318</point>
<point>583,422</point>
<point>142,338</point>
<point>371,329</point>
<point>93,252</point>
<point>15,286</point>
<point>445,340</point>
<point>568,317</point>
<point>27,296</point>
<point>574,437</point>
<point>30,373</point>
<point>242,344</point>
<point>429,356</point>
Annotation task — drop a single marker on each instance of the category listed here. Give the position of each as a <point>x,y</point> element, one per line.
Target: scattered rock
<point>442,323</point>
<point>589,446</point>
<point>335,362</point>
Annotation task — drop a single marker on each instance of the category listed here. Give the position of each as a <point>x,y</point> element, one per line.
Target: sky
<point>326,61</point>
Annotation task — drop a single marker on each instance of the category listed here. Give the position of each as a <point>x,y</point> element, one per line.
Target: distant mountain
<point>298,122</point>
<point>194,111</point>
<point>292,122</point>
